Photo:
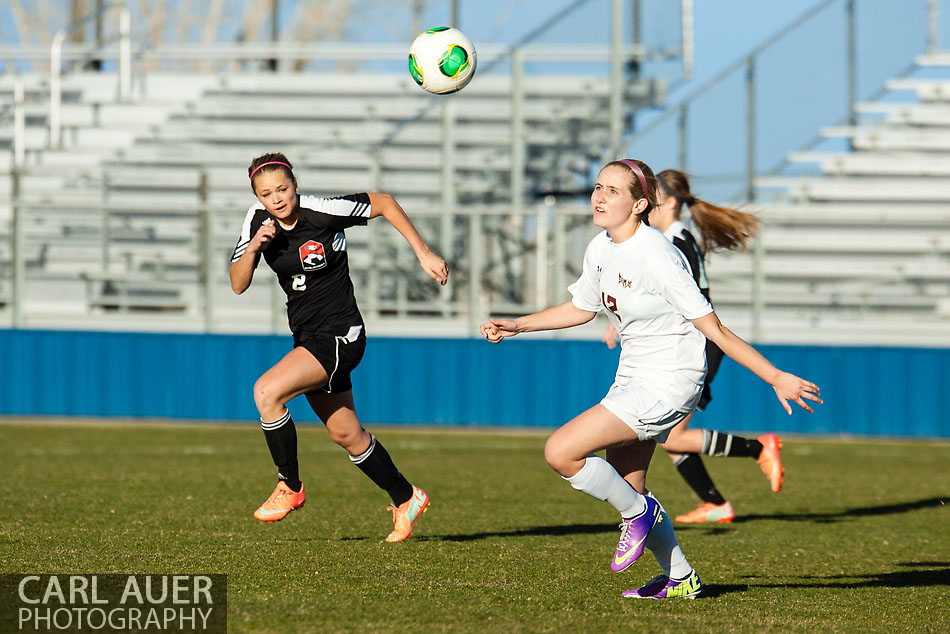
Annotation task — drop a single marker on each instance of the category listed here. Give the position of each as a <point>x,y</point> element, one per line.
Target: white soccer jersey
<point>646,287</point>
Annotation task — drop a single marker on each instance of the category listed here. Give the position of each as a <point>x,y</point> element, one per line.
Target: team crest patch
<point>624,283</point>
<point>312,256</point>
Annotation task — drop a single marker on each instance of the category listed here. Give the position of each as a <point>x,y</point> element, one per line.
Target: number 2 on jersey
<point>610,303</point>
<point>299,282</point>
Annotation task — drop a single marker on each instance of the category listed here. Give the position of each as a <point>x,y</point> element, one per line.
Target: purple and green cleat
<point>662,587</point>
<point>633,535</point>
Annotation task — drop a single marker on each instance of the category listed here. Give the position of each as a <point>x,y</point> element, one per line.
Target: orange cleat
<point>406,514</point>
<point>708,512</point>
<point>281,502</point>
<point>770,461</point>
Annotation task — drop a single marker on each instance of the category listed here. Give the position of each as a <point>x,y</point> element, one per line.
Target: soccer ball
<point>442,60</point>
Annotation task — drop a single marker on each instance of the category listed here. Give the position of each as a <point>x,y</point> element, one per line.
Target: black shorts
<point>338,354</point>
<point>713,359</point>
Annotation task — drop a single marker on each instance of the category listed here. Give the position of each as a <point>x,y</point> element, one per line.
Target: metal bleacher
<point>84,253</point>
<point>129,215</point>
<point>117,215</point>
<point>346,131</point>
<point>860,250</point>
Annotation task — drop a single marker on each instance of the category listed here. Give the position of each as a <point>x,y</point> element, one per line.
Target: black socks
<point>719,444</point>
<point>691,467</point>
<point>378,466</point>
<point>281,436</point>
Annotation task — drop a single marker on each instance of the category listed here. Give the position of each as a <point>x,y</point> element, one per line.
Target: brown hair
<point>636,188</point>
<point>269,163</point>
<point>721,227</point>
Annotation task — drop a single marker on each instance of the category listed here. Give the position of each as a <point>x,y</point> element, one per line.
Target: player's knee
<point>556,456</point>
<point>265,396</point>
<point>347,438</point>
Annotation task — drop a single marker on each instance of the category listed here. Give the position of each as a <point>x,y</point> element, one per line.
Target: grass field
<point>857,541</point>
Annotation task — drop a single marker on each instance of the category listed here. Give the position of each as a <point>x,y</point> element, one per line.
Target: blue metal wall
<point>868,391</point>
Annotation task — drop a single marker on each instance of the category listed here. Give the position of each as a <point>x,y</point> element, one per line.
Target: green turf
<point>858,540</point>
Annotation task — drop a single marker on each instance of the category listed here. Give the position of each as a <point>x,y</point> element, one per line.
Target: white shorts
<point>642,411</point>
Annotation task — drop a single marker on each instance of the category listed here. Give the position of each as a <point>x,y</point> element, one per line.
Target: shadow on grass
<point>863,511</point>
<point>711,591</point>
<point>902,579</point>
<point>707,529</point>
<point>711,529</point>
<point>555,531</point>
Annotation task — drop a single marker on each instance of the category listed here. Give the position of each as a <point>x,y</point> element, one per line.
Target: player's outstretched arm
<point>561,316</point>
<point>386,206</point>
<point>788,387</point>
<point>242,270</point>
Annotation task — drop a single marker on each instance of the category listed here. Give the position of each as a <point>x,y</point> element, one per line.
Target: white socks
<point>663,544</point>
<point>600,480</point>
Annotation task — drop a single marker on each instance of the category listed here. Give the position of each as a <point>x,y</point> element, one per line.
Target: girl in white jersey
<point>641,280</point>
<point>720,228</point>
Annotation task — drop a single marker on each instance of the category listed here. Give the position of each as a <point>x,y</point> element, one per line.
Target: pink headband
<point>639,172</point>
<point>271,163</point>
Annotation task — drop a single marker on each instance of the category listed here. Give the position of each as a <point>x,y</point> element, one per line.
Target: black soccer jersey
<point>310,260</point>
<point>683,240</point>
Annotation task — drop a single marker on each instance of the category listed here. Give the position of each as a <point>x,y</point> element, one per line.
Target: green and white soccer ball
<point>442,60</point>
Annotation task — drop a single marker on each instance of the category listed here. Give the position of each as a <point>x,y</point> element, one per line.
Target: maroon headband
<point>270,163</point>
<point>639,172</point>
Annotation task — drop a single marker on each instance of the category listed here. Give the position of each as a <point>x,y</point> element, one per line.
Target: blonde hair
<point>636,189</point>
<point>721,227</point>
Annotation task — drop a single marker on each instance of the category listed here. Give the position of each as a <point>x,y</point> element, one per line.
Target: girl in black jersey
<point>302,240</point>
<point>720,227</point>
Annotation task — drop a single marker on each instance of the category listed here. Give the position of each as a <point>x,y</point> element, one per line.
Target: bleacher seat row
<point>858,250</point>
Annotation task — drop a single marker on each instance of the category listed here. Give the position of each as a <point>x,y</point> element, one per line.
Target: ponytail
<point>720,227</point>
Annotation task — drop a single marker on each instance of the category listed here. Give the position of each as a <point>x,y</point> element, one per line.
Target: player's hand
<point>263,236</point>
<point>610,336</point>
<point>435,267</point>
<point>789,387</point>
<point>497,329</point>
